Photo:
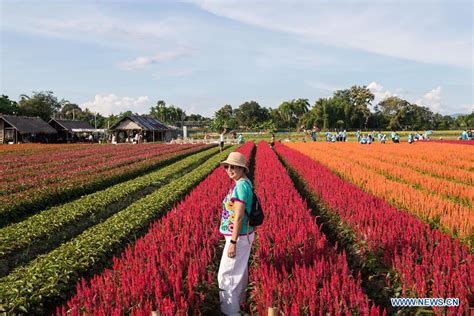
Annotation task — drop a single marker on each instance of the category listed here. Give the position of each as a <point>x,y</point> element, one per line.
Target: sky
<point>113,56</point>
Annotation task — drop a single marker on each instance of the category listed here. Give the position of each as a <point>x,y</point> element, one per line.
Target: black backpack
<point>256,215</point>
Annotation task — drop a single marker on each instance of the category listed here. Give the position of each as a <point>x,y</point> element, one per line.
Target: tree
<point>167,114</point>
<point>43,104</point>
<point>360,99</point>
<point>8,106</point>
<point>394,110</point>
<point>224,117</point>
<point>70,111</point>
<point>278,118</point>
<point>251,114</point>
<point>292,111</point>
<point>465,121</point>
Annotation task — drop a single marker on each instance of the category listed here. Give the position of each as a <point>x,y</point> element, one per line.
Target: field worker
<point>239,236</point>
<point>222,139</point>
<point>241,139</point>
<point>396,138</point>
<point>393,136</point>
<point>363,140</point>
<point>344,135</point>
<point>383,139</point>
<point>358,135</point>
<point>464,135</point>
<point>410,138</point>
<point>272,140</point>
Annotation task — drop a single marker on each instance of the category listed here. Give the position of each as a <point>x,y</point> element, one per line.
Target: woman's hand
<point>231,251</point>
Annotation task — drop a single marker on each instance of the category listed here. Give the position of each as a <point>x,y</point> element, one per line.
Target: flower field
<point>144,237</point>
<point>440,201</point>
<point>424,261</point>
<point>33,179</point>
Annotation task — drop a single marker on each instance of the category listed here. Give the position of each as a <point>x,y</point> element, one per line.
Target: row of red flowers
<point>82,168</point>
<point>296,269</point>
<point>25,170</point>
<point>428,263</point>
<point>164,269</point>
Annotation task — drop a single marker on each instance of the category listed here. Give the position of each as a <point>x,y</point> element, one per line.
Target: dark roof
<point>27,124</point>
<point>147,123</point>
<point>70,124</point>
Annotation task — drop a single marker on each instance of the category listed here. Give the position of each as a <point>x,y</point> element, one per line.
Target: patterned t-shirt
<point>242,192</point>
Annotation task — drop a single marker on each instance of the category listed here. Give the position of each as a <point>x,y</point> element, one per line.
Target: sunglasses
<point>230,167</point>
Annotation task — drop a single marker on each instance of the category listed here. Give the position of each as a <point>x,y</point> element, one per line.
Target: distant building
<point>150,129</point>
<point>25,129</point>
<point>71,131</point>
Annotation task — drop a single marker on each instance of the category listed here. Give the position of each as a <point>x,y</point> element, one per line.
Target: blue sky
<point>112,56</point>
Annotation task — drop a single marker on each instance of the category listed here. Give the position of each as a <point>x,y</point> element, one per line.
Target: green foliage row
<point>15,212</point>
<point>48,278</point>
<point>23,234</point>
<point>349,108</point>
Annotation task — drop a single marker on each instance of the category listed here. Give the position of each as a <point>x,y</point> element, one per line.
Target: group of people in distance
<point>338,136</point>
<point>466,135</point>
<point>395,137</point>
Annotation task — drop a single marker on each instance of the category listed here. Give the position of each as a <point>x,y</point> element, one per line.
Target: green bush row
<point>49,278</point>
<point>14,213</point>
<point>47,223</point>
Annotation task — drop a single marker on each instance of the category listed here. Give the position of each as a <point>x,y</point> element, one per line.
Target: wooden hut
<point>149,129</point>
<point>70,130</point>
<point>25,129</point>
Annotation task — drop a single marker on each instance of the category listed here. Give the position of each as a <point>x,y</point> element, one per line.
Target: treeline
<point>348,109</point>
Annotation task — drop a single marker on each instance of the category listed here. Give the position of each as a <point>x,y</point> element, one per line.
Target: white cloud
<point>387,28</point>
<point>147,61</point>
<point>112,104</point>
<point>379,92</point>
<point>87,22</point>
<point>432,99</point>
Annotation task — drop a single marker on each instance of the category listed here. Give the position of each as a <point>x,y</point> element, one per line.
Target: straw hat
<point>236,159</point>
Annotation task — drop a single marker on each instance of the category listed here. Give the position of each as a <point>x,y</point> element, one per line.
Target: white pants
<point>234,274</point>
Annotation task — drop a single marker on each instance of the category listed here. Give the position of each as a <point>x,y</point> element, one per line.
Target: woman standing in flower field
<point>233,270</point>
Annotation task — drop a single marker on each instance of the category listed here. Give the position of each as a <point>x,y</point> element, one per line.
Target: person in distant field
<point>136,138</point>
<point>383,139</point>
<point>333,138</point>
<point>91,138</point>
<point>241,139</point>
<point>379,136</point>
<point>358,135</point>
<point>410,138</point>
<point>328,136</point>
<point>272,141</point>
<point>222,139</point>
<point>344,135</point>
<point>464,135</point>
<point>363,140</point>
<point>393,136</point>
<point>239,235</point>
<point>396,138</point>
<point>314,136</point>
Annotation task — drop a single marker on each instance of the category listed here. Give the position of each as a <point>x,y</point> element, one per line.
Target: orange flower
<point>431,180</point>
